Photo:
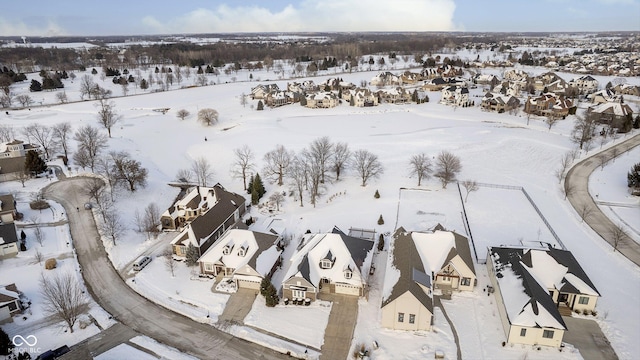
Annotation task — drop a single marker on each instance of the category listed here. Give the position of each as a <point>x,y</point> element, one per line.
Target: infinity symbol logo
<point>19,340</point>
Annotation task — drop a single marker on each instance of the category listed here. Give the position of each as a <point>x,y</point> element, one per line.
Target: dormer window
<point>348,274</point>
<point>325,264</point>
<point>226,250</point>
<point>242,251</point>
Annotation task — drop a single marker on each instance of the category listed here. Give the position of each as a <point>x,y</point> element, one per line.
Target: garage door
<point>347,289</point>
<point>249,284</point>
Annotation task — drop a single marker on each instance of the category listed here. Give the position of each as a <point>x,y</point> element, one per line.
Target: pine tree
<point>35,86</point>
<point>260,105</point>
<point>380,220</point>
<point>376,195</point>
<point>250,185</point>
<point>144,85</point>
<point>264,284</point>
<point>271,296</point>
<point>381,243</point>
<point>6,345</point>
<point>259,185</point>
<point>33,163</point>
<point>192,255</point>
<point>255,198</point>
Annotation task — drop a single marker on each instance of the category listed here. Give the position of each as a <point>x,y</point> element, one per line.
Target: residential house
<point>485,79</point>
<point>549,105</point>
<point>499,103</point>
<point>385,78</point>
<point>604,96</point>
<point>10,303</point>
<point>244,256</point>
<point>455,96</point>
<point>260,92</point>
<point>585,84</point>
<point>627,89</point>
<point>209,214</point>
<point>328,263</point>
<point>616,115</point>
<point>278,98</point>
<point>430,73</point>
<point>532,287</point>
<point>303,87</point>
<point>409,77</point>
<point>545,80</point>
<point>360,97</point>
<point>397,95</point>
<point>8,239</point>
<point>12,158</point>
<point>8,212</point>
<point>322,99</point>
<point>420,264</point>
<point>517,76</point>
<point>449,71</point>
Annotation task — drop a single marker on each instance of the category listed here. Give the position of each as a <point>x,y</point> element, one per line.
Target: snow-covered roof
<point>616,108</point>
<point>344,251</point>
<point>8,293</point>
<point>525,277</point>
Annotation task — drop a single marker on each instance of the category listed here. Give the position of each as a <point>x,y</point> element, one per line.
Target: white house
<point>333,262</point>
<point>585,84</point>
<point>455,96</point>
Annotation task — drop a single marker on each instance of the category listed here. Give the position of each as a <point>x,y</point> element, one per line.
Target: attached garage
<point>248,284</point>
<point>348,289</point>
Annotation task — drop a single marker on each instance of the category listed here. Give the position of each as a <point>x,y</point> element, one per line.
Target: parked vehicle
<point>141,262</point>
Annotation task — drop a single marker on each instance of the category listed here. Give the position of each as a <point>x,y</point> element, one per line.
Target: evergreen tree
<point>255,198</point>
<point>380,220</point>
<point>381,242</point>
<point>33,163</point>
<point>636,123</point>
<point>94,71</point>
<point>250,185</point>
<point>6,345</point>
<point>35,86</point>
<point>303,100</point>
<point>22,235</point>
<point>259,185</point>
<point>143,84</point>
<point>260,105</point>
<point>633,177</point>
<point>376,195</point>
<point>192,255</point>
<point>271,296</point>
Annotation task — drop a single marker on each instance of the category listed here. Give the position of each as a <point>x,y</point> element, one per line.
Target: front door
<point>562,298</point>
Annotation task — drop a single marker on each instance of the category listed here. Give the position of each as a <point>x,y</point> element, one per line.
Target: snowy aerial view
<point>320,181</point>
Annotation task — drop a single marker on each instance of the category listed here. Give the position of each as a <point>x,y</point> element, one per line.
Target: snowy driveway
<point>130,308</point>
<point>587,337</point>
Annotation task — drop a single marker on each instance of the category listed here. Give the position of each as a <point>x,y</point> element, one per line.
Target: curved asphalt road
<point>578,180</point>
<point>130,308</point>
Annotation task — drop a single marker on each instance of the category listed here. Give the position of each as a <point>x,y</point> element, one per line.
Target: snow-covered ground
<point>494,148</point>
<point>149,349</point>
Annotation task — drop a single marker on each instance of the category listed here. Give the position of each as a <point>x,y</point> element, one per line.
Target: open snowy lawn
<point>608,185</point>
<point>285,320</point>
<point>162,350</point>
<point>124,351</point>
<point>190,297</point>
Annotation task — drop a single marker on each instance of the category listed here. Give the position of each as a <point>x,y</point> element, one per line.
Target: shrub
<point>39,205</point>
<point>50,264</point>
<point>376,195</point>
<point>380,220</point>
<point>381,243</point>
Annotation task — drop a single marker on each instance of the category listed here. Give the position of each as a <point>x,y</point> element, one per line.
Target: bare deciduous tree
<point>565,162</point>
<point>167,255</point>
<point>550,121</point>
<point>277,198</point>
<point>583,130</point>
<point>585,211</point>
<point>94,188</point>
<point>63,297</point>
<point>38,256</point>
<point>22,176</point>
<point>61,135</point>
<point>420,166</point>
<point>367,165</point>
<point>90,143</point>
<point>62,97</point>
<point>24,100</point>
<point>184,176</point>
<point>152,220</point>
<point>243,163</point>
<point>447,167</point>
<point>298,175</point>
<point>314,174</point>
<point>243,100</point>
<point>208,116</point>
<point>618,233</point>
<point>602,159</point>
<point>470,186</point>
<point>107,114</point>
<point>43,136</point>
<point>321,149</point>
<point>201,168</point>
<point>277,163</point>
<point>7,133</point>
<point>86,86</point>
<point>340,158</point>
<point>128,171</point>
<point>112,226</point>
<point>182,114</point>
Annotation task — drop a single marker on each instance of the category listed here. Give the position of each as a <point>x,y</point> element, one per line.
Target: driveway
<point>128,307</point>
<point>238,306</point>
<point>587,337</point>
<point>578,181</point>
<point>342,323</point>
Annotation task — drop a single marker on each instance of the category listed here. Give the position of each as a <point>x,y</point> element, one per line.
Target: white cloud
<point>327,15</point>
<point>18,28</point>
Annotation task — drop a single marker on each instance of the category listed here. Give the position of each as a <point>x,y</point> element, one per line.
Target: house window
<point>242,252</point>
<point>348,274</point>
<point>547,334</point>
<point>325,264</point>
<point>226,250</point>
<point>400,317</point>
<point>583,300</point>
<point>208,267</point>
<point>181,250</point>
<point>523,332</point>
<point>412,318</point>
<point>298,294</point>
<point>465,281</point>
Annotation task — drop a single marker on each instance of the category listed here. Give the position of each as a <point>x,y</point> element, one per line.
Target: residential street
<point>577,181</point>
<point>128,307</point>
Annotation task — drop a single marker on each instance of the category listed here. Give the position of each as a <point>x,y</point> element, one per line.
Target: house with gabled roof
<point>386,78</point>
<point>604,96</point>
<point>8,239</point>
<point>421,263</point>
<point>328,263</point>
<point>261,91</point>
<point>8,212</point>
<point>586,84</point>
<point>532,287</point>
<point>12,158</point>
<point>10,303</point>
<point>243,256</point>
<point>321,99</point>
<point>217,211</point>
<point>498,102</point>
<point>455,96</point>
<point>360,97</point>
<point>627,89</point>
<point>615,114</point>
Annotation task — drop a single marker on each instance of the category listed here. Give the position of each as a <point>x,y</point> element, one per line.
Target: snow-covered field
<point>494,148</point>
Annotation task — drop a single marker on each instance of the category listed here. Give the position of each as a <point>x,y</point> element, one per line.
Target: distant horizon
<point>163,17</point>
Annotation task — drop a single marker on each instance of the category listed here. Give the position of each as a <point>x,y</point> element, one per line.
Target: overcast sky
<point>131,17</point>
